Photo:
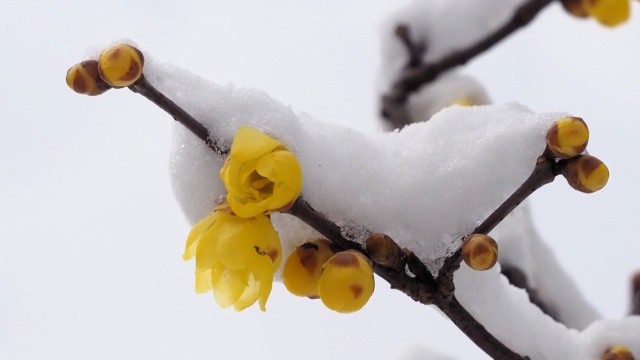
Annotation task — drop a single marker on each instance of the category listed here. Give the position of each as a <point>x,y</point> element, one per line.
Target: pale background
<point>91,238</point>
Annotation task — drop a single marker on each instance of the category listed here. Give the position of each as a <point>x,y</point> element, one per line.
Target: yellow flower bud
<point>617,353</point>
<point>120,65</point>
<point>608,12</point>
<point>575,8</point>
<point>586,173</point>
<point>347,283</point>
<point>261,174</point>
<point>235,257</point>
<point>480,252</point>
<point>83,78</point>
<point>304,267</point>
<point>384,251</point>
<point>568,137</point>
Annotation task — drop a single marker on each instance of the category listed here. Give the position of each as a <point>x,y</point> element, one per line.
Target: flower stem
<point>144,88</point>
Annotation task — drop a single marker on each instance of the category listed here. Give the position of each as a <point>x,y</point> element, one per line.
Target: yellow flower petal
<point>228,286</point>
<point>235,257</point>
<point>195,234</point>
<point>249,296</point>
<point>203,281</point>
<point>261,174</point>
<point>250,144</point>
<point>206,254</point>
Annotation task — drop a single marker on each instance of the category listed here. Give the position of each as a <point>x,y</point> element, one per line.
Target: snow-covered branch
<point>420,70</point>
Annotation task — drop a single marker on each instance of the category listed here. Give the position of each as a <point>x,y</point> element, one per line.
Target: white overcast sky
<point>91,238</point>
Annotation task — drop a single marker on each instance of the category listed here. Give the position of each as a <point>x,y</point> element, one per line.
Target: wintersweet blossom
<point>235,257</point>
<point>261,174</point>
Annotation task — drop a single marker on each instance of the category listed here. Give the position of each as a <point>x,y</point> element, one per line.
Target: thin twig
<point>415,49</point>
<point>487,342</point>
<point>144,88</point>
<point>545,171</point>
<point>413,77</point>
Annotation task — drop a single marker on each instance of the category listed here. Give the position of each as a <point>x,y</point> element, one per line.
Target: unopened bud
<point>121,65</point>
<point>617,352</point>
<point>568,137</point>
<point>304,267</point>
<point>586,173</point>
<point>346,283</point>
<point>608,12</point>
<point>480,252</point>
<point>384,251</point>
<point>83,78</point>
<point>575,8</point>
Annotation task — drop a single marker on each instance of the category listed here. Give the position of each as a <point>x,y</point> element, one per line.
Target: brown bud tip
<point>617,353</point>
<point>586,173</point>
<point>480,252</point>
<point>384,251</point>
<point>567,137</point>
<point>120,65</point>
<point>83,78</point>
<point>575,8</point>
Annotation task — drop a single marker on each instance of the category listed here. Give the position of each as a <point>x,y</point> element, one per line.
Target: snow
<point>457,168</point>
<point>521,247</point>
<point>426,186</point>
<point>443,26</point>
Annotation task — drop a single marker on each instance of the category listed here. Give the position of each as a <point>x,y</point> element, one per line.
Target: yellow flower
<point>346,283</point>
<point>235,257</point>
<point>608,12</point>
<point>261,174</point>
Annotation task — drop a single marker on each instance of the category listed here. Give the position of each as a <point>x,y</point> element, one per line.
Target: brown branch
<point>421,287</point>
<point>413,77</point>
<point>461,317</point>
<point>545,171</point>
<point>144,88</point>
<point>635,294</point>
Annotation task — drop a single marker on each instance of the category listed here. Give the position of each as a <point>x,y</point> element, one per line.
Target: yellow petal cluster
<point>260,174</point>
<point>303,267</point>
<point>346,283</point>
<point>235,257</point>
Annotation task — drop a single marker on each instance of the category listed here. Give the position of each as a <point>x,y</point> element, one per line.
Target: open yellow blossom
<point>235,257</point>
<point>261,174</point>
